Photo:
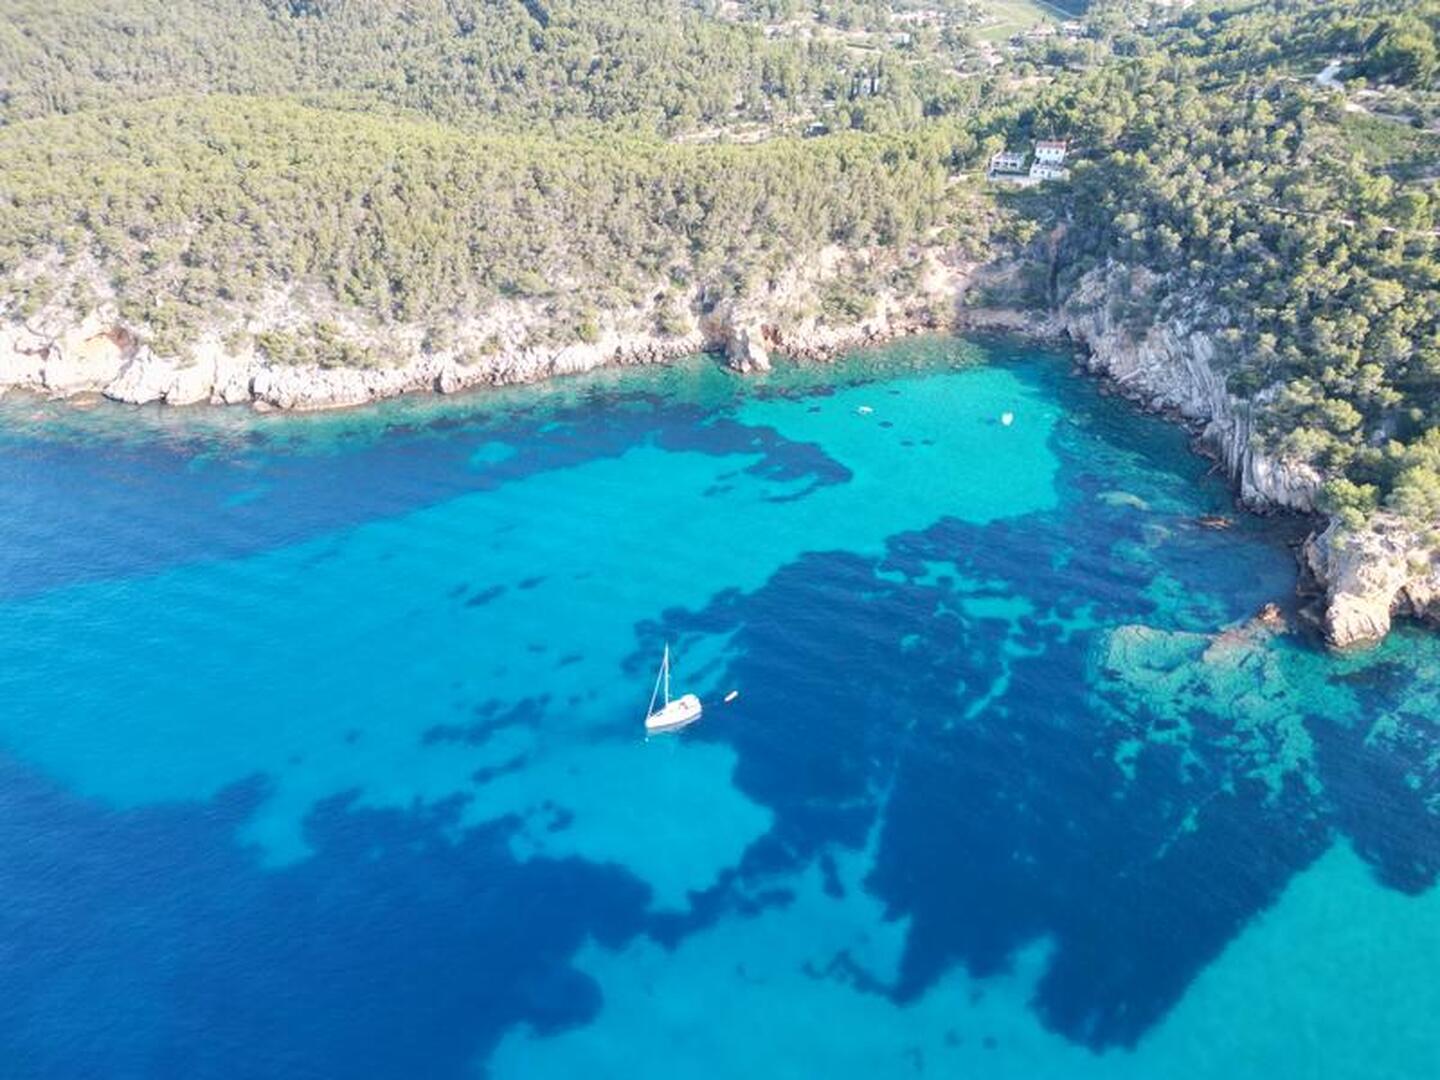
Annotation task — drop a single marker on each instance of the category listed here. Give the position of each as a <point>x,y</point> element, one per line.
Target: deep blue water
<point>321,755</point>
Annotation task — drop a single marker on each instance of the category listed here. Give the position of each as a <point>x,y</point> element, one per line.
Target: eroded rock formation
<point>1368,577</point>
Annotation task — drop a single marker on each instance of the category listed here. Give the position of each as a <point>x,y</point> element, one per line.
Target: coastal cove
<point>309,206</point>
<point>1362,577</point>
<point>321,734</point>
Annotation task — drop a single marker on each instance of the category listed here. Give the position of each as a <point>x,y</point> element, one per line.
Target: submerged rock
<point>1123,500</point>
<point>1272,617</point>
<point>1226,705</point>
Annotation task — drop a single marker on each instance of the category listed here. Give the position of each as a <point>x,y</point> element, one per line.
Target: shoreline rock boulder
<point>1368,577</point>
<point>745,351</point>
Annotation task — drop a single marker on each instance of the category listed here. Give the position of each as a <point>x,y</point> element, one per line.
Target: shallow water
<point>321,746</point>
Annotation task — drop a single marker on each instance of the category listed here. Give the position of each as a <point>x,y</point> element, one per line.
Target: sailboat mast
<point>667,674</point>
<point>659,675</point>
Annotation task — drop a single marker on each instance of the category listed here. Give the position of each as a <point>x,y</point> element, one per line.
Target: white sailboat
<point>673,714</point>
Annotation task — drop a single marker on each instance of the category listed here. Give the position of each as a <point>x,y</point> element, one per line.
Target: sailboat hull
<point>680,712</point>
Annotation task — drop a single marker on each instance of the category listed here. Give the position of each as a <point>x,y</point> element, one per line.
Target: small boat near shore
<point>672,715</point>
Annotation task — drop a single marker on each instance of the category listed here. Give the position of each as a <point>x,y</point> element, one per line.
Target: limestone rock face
<point>745,352</point>
<point>22,359</point>
<point>739,334</point>
<point>101,355</point>
<point>233,377</point>
<point>196,382</point>
<point>310,387</point>
<point>449,381</point>
<point>1367,578</point>
<point>511,341</point>
<point>147,377</point>
<point>86,357</point>
<point>144,379</point>
<point>192,384</point>
<point>1170,364</point>
<point>1389,568</point>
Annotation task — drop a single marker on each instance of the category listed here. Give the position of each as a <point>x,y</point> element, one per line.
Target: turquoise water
<point>320,744</point>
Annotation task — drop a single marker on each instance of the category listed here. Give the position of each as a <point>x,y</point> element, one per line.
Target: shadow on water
<point>941,701</point>
<point>879,695</point>
<point>1394,757</point>
<point>999,829</point>
<point>89,509</point>
<point>400,949</point>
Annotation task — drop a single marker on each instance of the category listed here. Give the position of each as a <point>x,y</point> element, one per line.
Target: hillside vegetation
<point>665,66</point>
<point>1223,167</point>
<point>197,209</point>
<point>1271,163</point>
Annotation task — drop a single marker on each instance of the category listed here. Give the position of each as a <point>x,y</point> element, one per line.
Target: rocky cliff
<point>55,353</point>
<point>1368,577</point>
<point>1169,363</point>
<point>1167,360</point>
<point>100,355</point>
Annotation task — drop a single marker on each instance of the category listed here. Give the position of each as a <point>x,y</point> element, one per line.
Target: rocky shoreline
<point>1361,580</point>
<point>97,357</point>
<point>1358,581</point>
<point>56,355</point>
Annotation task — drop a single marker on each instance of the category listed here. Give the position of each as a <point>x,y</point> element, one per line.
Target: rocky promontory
<point>1168,363</point>
<point>1364,577</point>
<point>1367,577</point>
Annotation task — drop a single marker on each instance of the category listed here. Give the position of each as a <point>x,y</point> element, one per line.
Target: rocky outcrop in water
<point>740,333</point>
<point>1368,577</point>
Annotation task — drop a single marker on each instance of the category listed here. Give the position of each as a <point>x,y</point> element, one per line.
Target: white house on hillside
<point>1008,166</point>
<point>1051,151</point>
<point>1007,161</point>
<point>1050,160</point>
